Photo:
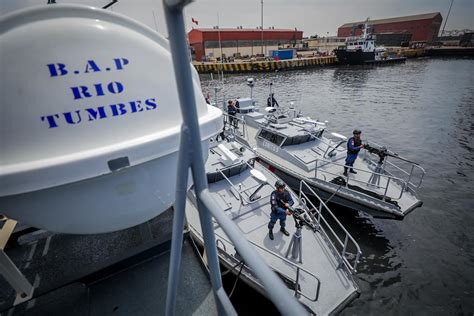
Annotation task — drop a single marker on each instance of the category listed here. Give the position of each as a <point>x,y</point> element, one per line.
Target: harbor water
<point>423,110</point>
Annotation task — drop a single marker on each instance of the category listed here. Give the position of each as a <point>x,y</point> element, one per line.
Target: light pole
<point>261,28</point>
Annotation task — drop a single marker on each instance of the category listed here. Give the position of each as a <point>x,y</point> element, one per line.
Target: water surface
<point>424,110</point>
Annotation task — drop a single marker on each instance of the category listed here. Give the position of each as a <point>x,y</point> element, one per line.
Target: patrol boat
<point>296,148</point>
<point>314,263</point>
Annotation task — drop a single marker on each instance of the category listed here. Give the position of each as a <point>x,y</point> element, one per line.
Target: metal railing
<point>374,184</point>
<point>298,270</point>
<point>405,182</point>
<point>190,156</point>
<point>341,246</point>
<point>409,175</point>
<point>237,124</point>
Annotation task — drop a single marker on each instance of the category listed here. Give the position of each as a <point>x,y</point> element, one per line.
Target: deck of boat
<point>337,286</point>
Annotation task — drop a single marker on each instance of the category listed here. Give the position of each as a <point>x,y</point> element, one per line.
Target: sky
<point>321,17</point>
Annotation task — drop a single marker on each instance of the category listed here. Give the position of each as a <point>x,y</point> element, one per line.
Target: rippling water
<point>424,110</point>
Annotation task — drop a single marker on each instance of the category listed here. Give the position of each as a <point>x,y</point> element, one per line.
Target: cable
<point>196,248</point>
<point>333,194</point>
<point>237,279</point>
<point>232,269</point>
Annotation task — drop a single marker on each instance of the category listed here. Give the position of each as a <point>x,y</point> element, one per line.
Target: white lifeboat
<point>89,120</point>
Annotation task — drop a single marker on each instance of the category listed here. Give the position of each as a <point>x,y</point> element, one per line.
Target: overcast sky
<point>311,16</point>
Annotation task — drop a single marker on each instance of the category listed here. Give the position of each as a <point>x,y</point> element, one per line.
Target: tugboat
<point>362,50</point>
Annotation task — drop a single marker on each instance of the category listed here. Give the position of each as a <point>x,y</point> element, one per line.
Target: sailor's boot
<point>345,171</point>
<point>270,234</point>
<point>352,171</point>
<point>284,231</point>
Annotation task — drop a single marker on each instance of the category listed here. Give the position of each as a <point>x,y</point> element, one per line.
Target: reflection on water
<point>424,110</point>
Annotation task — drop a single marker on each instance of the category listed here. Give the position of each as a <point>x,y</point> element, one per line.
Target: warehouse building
<point>325,44</point>
<point>418,28</point>
<point>207,43</point>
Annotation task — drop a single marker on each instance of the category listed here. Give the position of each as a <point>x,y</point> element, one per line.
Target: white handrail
<point>289,262</point>
<point>303,199</point>
<point>239,120</point>
<point>413,166</point>
<point>385,188</point>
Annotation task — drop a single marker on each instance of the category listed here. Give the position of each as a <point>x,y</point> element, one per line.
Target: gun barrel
<point>394,155</point>
<point>382,152</point>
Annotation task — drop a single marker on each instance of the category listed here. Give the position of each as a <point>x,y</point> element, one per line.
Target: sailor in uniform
<point>232,111</point>
<point>271,102</point>
<point>354,145</point>
<point>280,200</point>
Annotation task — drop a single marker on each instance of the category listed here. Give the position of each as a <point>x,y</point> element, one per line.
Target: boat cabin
<point>290,134</point>
<point>245,105</point>
<point>366,44</point>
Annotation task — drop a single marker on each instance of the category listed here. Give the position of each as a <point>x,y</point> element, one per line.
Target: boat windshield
<point>298,139</point>
<point>271,137</point>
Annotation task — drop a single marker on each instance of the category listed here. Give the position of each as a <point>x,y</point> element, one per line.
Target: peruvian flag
<point>195,21</point>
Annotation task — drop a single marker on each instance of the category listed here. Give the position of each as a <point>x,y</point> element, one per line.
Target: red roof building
<point>238,40</point>
<point>422,27</point>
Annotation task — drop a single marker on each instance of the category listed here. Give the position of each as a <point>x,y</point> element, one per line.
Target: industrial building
<point>210,43</point>
<point>416,28</point>
<point>324,44</point>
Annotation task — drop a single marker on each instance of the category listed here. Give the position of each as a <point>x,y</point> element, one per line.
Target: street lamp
<point>261,28</point>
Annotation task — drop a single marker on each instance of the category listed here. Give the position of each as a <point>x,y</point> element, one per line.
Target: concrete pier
<point>264,66</point>
<point>438,52</point>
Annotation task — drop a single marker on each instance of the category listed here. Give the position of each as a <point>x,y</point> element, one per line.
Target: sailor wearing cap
<point>280,200</point>
<point>354,145</point>
<point>271,102</point>
<point>232,111</point>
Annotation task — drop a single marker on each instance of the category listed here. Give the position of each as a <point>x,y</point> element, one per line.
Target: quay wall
<point>264,66</point>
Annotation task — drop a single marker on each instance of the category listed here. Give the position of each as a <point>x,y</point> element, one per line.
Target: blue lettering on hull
<point>81,92</point>
<point>77,117</point>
